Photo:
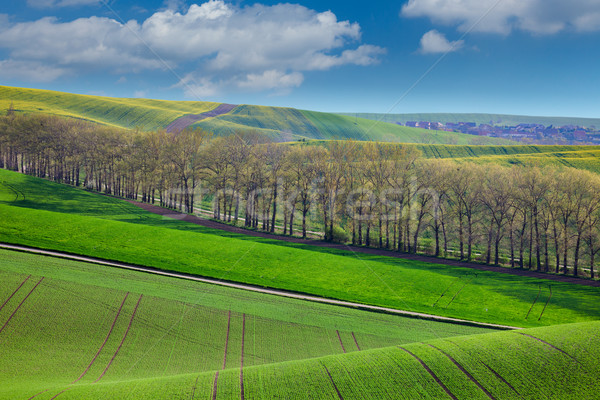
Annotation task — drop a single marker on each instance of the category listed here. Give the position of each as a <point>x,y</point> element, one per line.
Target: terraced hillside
<point>76,330</point>
<point>281,124</point>
<point>42,214</point>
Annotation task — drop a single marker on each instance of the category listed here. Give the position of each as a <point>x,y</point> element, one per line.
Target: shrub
<point>340,235</point>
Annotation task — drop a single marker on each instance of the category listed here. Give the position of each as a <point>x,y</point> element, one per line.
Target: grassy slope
<point>39,213</point>
<point>290,124</point>
<point>179,326</point>
<point>336,126</point>
<point>176,343</point>
<point>497,119</point>
<point>282,124</point>
<point>125,113</point>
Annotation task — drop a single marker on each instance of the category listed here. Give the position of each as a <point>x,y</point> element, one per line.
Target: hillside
<point>79,315</point>
<point>73,330</point>
<point>119,112</point>
<point>493,119</point>
<point>280,124</point>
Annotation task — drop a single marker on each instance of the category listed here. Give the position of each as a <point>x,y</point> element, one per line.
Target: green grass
<point>289,124</point>
<point>43,214</point>
<point>495,119</point>
<point>275,122</point>
<point>580,157</point>
<point>176,343</point>
<point>334,126</point>
<point>146,114</point>
<point>179,328</point>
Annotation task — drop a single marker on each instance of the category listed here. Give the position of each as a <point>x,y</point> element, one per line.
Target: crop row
<point>85,334</point>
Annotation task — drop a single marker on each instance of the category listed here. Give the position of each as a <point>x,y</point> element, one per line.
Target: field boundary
<point>254,288</point>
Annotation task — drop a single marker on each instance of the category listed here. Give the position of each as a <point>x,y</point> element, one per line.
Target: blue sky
<point>534,57</point>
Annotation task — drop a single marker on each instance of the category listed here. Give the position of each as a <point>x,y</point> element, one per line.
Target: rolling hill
<point>280,124</point>
<point>73,330</point>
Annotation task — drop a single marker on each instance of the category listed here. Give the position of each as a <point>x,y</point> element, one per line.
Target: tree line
<point>369,194</point>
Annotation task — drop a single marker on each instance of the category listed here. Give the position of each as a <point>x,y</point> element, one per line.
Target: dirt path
<point>253,288</point>
<point>361,250</point>
<point>183,122</point>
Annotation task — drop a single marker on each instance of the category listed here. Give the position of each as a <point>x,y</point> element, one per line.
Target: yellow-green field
<point>119,112</point>
<point>280,124</point>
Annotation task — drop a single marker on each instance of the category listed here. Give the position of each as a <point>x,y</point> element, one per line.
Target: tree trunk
<point>488,256</point>
<point>576,258</point>
<point>275,187</point>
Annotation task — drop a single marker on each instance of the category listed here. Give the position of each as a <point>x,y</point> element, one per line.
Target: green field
<point>580,157</point>
<point>42,214</point>
<point>53,328</point>
<point>494,119</point>
<point>77,330</point>
<point>280,124</point>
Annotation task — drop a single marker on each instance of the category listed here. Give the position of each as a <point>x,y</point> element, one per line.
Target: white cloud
<point>225,45</point>
<point>434,42</point>
<point>176,5</point>
<point>272,79</point>
<point>540,17</point>
<point>198,87</point>
<point>33,71</point>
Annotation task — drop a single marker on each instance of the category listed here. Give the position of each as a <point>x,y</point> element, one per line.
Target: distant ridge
<point>479,118</point>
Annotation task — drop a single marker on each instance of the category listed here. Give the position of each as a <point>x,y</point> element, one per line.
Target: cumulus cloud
<point>214,45</point>
<point>434,42</point>
<point>540,17</point>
